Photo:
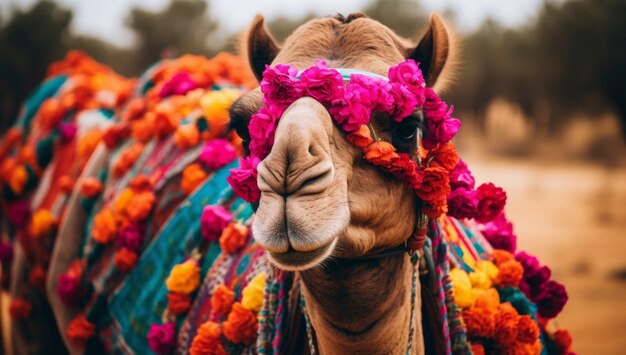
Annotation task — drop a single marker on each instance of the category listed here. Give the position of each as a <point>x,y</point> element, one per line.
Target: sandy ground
<point>573,217</point>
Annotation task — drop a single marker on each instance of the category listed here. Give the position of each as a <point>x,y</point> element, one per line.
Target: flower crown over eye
<point>350,96</point>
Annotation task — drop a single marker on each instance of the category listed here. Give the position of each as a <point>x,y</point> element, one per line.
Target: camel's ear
<point>261,46</point>
<point>433,50</point>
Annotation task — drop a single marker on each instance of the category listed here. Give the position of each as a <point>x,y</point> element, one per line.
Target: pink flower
<point>279,85</point>
<point>499,233</point>
<point>217,153</point>
<point>441,126</point>
<point>179,84</point>
<point>321,83</point>
<point>162,338</point>
<point>491,201</point>
<point>379,90</point>
<point>407,73</point>
<point>70,290</point>
<point>67,131</point>
<point>404,102</point>
<point>243,180</point>
<point>353,109</point>
<point>462,203</point>
<point>18,213</point>
<point>262,128</point>
<point>460,176</point>
<point>131,236</point>
<point>552,299</point>
<point>6,254</point>
<point>213,221</point>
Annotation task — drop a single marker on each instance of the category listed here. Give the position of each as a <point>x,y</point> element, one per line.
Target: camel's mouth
<point>293,260</point>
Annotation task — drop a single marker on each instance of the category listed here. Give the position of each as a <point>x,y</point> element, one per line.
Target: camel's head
<point>319,197</point>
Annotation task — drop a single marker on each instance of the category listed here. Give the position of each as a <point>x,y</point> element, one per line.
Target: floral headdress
<point>438,176</point>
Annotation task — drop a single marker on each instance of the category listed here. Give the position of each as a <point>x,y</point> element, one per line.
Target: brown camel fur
<point>323,205</point>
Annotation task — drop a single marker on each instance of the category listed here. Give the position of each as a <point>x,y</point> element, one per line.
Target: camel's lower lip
<point>293,260</point>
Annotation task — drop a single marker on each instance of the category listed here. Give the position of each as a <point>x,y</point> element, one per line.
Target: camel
<point>324,212</point>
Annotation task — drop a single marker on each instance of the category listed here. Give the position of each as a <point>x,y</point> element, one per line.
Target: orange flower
<point>6,168</point>
<point>125,259</point>
<point>435,186</point>
<point>90,187</point>
<point>87,144</point>
<point>135,109</point>
<point>80,330</point>
<point>233,237</point>
<point>444,156</point>
<point>18,179</point>
<point>164,123</point>
<point>50,113</point>
<point>361,137</point>
<point>186,136</point>
<point>240,326</point>
<point>380,153</point>
<point>37,277</point>
<point>193,176</point>
<point>511,273</point>
<point>143,129</point>
<point>505,330</point>
<point>222,300</point>
<point>208,340</point>
<point>10,140</point>
<point>20,309</point>
<point>115,134</point>
<point>501,256</point>
<point>66,183</point>
<point>42,223</point>
<point>184,278</point>
<point>527,330</point>
<point>104,226</point>
<point>479,322</point>
<point>177,303</point>
<point>488,300</point>
<point>140,183</point>
<point>127,158</point>
<point>123,200</point>
<point>140,206</point>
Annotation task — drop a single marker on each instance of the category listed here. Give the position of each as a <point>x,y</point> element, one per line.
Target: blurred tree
<point>183,27</point>
<point>30,40</point>
<point>406,17</point>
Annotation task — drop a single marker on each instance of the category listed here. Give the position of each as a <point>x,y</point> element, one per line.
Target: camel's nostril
<point>313,180</point>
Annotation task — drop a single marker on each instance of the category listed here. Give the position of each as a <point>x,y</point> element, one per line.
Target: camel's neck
<point>363,306</point>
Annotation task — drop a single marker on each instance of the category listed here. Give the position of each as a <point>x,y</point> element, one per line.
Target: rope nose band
<point>346,72</point>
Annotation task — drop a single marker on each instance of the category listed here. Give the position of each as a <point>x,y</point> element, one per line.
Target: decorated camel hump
<point>338,218</point>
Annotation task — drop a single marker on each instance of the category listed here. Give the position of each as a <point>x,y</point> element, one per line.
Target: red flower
<point>444,156</point>
<point>115,134</point>
<point>125,259</point>
<point>462,203</point>
<point>80,330</point>
<point>20,309</point>
<point>563,340</point>
<point>241,326</point>
<point>178,303</point>
<point>491,201</point>
<point>90,187</point>
<point>243,180</point>
<point>37,277</point>
<point>527,330</point>
<point>435,185</point>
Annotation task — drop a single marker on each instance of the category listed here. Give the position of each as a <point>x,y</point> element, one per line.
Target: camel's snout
<point>303,204</point>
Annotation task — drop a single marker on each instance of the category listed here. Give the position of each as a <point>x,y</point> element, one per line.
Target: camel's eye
<point>407,129</point>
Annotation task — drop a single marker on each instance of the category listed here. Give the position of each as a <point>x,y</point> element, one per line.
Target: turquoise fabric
<point>46,90</point>
<point>142,298</point>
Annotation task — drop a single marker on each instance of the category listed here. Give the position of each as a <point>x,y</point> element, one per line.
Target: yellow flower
<point>480,280</point>
<point>184,278</point>
<point>253,293</point>
<point>42,223</point>
<point>215,106</point>
<point>489,268</point>
<point>462,288</point>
